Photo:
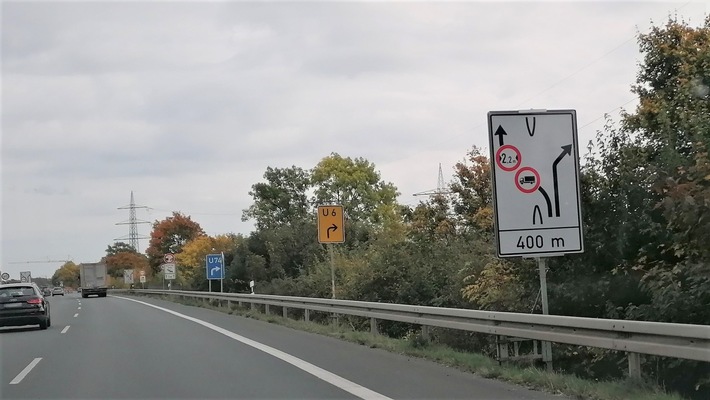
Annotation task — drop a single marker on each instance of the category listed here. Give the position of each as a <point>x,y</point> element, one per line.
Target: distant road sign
<point>331,224</point>
<point>5,276</point>
<point>215,266</point>
<point>142,273</point>
<point>142,278</point>
<point>26,276</point>
<point>127,276</point>
<point>169,258</point>
<point>535,164</point>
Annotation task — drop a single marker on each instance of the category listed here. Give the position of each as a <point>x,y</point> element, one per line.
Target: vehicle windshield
<point>16,291</point>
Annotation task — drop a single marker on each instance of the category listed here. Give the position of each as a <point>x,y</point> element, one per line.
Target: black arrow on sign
<point>547,200</point>
<point>331,228</point>
<point>500,132</point>
<point>566,151</point>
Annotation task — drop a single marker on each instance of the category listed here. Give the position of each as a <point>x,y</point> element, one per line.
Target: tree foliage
<point>68,274</point>
<point>169,236</point>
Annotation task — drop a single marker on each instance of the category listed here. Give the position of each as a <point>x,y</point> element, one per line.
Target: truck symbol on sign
<point>527,179</point>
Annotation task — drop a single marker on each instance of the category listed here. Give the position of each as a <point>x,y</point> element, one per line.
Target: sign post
<point>331,229</point>
<point>536,194</point>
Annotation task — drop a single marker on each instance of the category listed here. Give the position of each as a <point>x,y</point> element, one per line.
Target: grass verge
<point>534,378</point>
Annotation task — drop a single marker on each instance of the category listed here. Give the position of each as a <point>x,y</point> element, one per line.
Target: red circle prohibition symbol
<point>527,180</point>
<point>502,166</point>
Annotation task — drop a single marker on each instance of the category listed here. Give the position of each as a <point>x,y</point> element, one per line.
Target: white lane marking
<point>76,315</point>
<point>335,380</point>
<point>25,371</point>
<point>78,308</point>
<point>66,328</point>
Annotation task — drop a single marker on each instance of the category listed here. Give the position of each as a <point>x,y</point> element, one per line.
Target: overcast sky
<point>187,103</point>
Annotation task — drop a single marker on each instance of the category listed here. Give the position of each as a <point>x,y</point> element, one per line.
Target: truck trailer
<point>93,279</point>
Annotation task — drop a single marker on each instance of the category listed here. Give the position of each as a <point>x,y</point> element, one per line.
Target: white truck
<point>93,279</point>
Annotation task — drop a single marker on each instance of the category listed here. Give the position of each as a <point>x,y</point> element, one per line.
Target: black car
<point>23,304</point>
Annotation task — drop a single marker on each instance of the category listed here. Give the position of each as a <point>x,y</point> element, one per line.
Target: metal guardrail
<point>686,341</point>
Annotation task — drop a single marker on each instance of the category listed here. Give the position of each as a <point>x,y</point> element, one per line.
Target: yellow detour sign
<point>331,224</point>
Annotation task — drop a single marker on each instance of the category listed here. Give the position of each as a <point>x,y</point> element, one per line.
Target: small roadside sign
<point>5,276</point>
<point>127,276</point>
<point>169,270</point>
<point>535,175</point>
<point>142,278</point>
<point>26,276</point>
<point>169,258</point>
<point>331,224</point>
<point>215,266</point>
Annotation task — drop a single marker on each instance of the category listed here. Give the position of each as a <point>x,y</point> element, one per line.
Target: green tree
<point>119,247</point>
<point>281,200</point>
<point>356,185</point>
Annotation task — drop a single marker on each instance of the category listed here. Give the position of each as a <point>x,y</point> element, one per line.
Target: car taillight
<point>34,301</point>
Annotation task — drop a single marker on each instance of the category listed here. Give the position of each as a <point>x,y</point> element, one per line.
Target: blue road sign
<point>215,266</point>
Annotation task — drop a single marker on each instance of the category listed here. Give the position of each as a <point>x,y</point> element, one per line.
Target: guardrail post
<point>253,306</point>
<point>229,304</point>
<point>266,309</point>
<point>307,315</point>
<point>373,326</point>
<point>285,312</point>
<point>240,303</point>
<point>425,332</point>
<point>502,348</point>
<point>634,365</point>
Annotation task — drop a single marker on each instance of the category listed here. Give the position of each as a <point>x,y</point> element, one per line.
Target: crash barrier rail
<point>686,341</point>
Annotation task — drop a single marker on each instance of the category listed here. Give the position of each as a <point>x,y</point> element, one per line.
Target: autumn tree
<point>169,236</point>
<point>191,260</point>
<point>68,274</point>
<point>122,256</point>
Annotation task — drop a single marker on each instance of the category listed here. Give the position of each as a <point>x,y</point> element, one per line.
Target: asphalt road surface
<point>122,347</point>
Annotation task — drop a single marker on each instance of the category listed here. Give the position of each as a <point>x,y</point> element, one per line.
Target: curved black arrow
<point>537,213</point>
<point>547,200</point>
<point>566,151</point>
<point>330,228</point>
<point>500,132</point>
<point>531,132</point>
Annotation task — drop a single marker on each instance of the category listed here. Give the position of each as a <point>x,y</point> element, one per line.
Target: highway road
<point>122,347</point>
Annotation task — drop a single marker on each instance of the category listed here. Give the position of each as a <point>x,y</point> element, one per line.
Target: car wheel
<point>49,322</point>
<point>43,324</point>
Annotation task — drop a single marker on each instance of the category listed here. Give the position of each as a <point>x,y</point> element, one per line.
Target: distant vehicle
<point>46,291</point>
<point>57,291</point>
<point>23,304</point>
<point>93,279</point>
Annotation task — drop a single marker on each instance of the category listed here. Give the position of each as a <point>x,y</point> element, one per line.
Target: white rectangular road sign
<point>535,171</point>
<point>127,276</point>
<point>26,276</point>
